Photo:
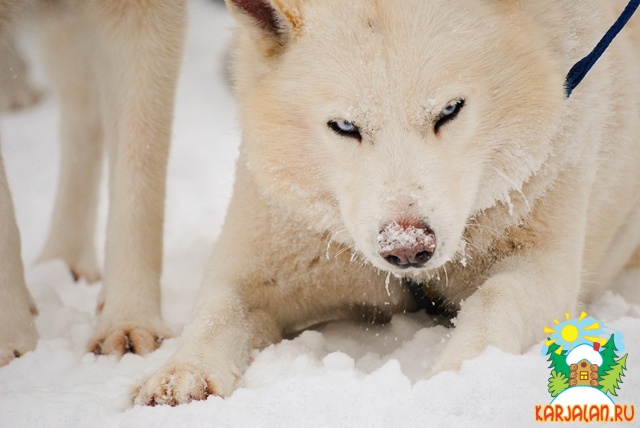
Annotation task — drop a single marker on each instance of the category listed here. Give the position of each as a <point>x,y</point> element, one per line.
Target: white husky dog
<point>433,141</point>
<point>114,65</point>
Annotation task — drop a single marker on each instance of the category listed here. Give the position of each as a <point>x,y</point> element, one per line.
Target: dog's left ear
<point>278,19</point>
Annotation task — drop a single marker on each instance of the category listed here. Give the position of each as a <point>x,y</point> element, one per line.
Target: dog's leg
<point>527,291</point>
<point>17,331</point>
<point>227,322</point>
<point>137,50</point>
<point>72,231</point>
<point>214,350</point>
<point>16,92</point>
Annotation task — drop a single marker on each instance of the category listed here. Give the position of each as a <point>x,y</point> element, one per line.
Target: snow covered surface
<point>341,375</point>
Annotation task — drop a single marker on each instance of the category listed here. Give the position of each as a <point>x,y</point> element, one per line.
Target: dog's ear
<point>274,18</point>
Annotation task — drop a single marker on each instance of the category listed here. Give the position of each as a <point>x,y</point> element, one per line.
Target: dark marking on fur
<point>432,301</point>
<point>314,262</point>
<point>128,345</point>
<point>17,354</point>
<point>96,349</point>
<point>262,13</point>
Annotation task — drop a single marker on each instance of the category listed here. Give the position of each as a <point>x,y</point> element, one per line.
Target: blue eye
<point>345,128</point>
<point>448,113</point>
<point>448,110</point>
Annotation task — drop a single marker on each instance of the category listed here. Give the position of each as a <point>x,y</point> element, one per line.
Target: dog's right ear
<point>279,19</point>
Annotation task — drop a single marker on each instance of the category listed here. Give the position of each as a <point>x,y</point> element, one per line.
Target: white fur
<point>114,66</point>
<point>534,199</point>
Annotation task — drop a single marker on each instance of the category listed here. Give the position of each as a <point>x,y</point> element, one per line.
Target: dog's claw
<point>175,385</point>
<point>128,340</point>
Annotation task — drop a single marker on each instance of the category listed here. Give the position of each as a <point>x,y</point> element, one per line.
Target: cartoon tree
<point>558,361</point>
<point>609,357</point>
<point>558,382</point>
<point>613,378</point>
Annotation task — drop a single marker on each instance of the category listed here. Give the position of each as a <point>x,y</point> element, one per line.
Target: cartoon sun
<point>572,332</point>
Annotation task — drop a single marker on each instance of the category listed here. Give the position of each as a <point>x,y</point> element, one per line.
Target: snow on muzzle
<point>406,244</point>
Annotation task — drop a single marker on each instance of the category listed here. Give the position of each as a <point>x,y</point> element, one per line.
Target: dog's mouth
<point>406,244</point>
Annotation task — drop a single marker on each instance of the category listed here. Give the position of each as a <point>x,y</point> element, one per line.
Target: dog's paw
<point>89,272</point>
<point>182,383</point>
<point>83,267</point>
<point>136,338</point>
<point>18,335</point>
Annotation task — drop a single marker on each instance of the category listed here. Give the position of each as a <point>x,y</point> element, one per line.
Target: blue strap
<point>582,67</point>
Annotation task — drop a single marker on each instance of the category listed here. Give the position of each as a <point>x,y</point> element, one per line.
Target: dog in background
<point>114,65</point>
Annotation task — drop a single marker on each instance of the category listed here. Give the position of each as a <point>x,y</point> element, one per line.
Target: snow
<point>341,375</point>
<point>398,237</point>
<point>584,352</point>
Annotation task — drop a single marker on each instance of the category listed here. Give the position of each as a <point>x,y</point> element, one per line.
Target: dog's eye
<point>448,113</point>
<point>345,128</point>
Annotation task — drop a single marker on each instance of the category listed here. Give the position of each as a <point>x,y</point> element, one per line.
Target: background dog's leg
<point>137,50</point>
<point>17,331</point>
<point>72,231</point>
<point>16,92</point>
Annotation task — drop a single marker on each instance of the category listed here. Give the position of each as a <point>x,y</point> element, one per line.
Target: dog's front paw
<point>181,383</point>
<point>137,338</point>
<point>18,334</point>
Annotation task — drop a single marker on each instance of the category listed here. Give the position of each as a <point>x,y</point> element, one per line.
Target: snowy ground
<point>341,375</point>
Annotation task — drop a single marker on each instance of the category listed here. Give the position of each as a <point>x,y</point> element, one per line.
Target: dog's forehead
<point>412,27</point>
<point>419,44</point>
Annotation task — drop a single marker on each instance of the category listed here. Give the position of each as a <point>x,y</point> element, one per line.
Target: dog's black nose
<point>406,244</point>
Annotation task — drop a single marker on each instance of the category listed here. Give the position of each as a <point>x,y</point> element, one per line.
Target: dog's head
<point>401,118</point>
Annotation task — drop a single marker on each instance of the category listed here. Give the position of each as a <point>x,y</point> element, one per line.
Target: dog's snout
<point>406,244</point>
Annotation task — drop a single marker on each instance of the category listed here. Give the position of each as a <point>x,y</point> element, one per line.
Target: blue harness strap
<point>582,67</point>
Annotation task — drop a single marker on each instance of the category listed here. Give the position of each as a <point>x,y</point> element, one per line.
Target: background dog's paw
<point>82,263</point>
<point>136,338</point>
<point>177,384</point>
<point>16,338</point>
<point>90,273</point>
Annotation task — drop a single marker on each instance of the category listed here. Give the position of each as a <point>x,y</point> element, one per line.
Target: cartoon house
<point>584,362</point>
